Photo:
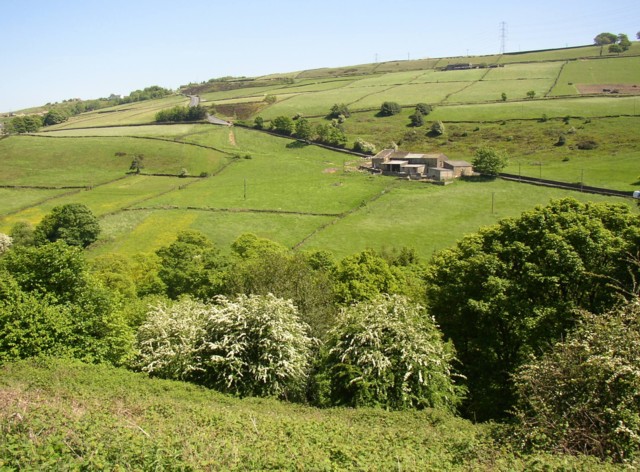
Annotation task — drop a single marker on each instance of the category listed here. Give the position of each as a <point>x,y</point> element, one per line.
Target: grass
<point>430,218</point>
<point>606,72</point>
<point>64,415</point>
<point>127,114</point>
<point>31,160</point>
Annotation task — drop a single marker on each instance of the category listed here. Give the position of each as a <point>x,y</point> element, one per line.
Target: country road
<point>194,101</point>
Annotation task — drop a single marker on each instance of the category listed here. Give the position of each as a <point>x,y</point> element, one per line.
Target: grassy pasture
<point>127,114</point>
<point>566,54</point>
<point>430,218</point>
<point>542,70</point>
<point>492,90</point>
<point>145,231</point>
<point>100,200</point>
<point>625,70</point>
<point>438,76</point>
<point>12,200</point>
<point>32,160</point>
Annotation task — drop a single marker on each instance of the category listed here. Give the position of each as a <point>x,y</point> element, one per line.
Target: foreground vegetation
<point>66,415</point>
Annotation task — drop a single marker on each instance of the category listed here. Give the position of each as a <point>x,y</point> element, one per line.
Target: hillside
<point>306,197</point>
<point>66,415</point>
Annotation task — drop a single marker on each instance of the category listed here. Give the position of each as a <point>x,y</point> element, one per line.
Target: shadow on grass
<point>297,144</point>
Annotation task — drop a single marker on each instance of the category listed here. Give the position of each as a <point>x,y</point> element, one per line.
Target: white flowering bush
<point>5,242</point>
<point>256,345</point>
<point>169,339</point>
<point>584,395</point>
<point>389,352</point>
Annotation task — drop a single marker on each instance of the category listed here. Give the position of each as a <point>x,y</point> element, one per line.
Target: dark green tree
<point>54,117</point>
<point>192,265</point>
<point>605,38</point>
<point>489,162</point>
<point>389,109</point>
<point>503,97</point>
<point>339,109</point>
<point>512,290</point>
<point>417,119</point>
<point>137,163</point>
<point>623,42</point>
<point>424,108</point>
<point>282,125</point>
<point>258,123</point>
<point>73,223</point>
<point>303,129</point>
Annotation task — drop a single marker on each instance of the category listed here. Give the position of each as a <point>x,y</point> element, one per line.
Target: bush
<point>258,123</point>
<point>388,352</point>
<point>437,128</point>
<point>282,125</point>
<point>364,147</point>
<point>417,119</point>
<point>339,109</point>
<point>390,108</point>
<point>424,108</point>
<point>255,345</point>
<point>168,340</point>
<point>587,144</point>
<point>584,395</point>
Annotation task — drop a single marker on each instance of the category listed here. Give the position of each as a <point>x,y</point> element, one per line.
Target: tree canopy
<point>73,223</point>
<point>512,289</point>
<point>605,38</point>
<point>489,162</point>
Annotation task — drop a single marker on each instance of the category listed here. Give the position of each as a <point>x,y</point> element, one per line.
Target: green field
<point>314,198</point>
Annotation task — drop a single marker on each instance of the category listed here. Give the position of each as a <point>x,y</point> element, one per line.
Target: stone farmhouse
<point>419,166</point>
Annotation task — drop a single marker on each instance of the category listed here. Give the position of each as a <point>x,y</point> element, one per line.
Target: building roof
<point>458,163</point>
<point>397,162</point>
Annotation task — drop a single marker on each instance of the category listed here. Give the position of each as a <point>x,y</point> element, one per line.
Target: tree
<point>583,395</point>
<point>389,109</point>
<point>512,289</point>
<point>255,346</point>
<point>389,353</point>
<point>258,123</point>
<point>615,49</point>
<point>137,163</point>
<point>191,265</point>
<point>360,145</point>
<point>623,42</point>
<point>424,108</point>
<point>270,99</point>
<point>503,97</point>
<point>54,117</point>
<point>22,233</point>
<point>638,35</point>
<point>489,162</point>
<point>73,223</point>
<point>288,276</point>
<point>437,128</point>
<point>339,109</point>
<point>605,38</point>
<point>303,129</point>
<point>531,94</point>
<point>417,119</point>
<point>282,125</point>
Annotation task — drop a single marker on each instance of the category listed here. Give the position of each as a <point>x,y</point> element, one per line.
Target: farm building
<point>419,166</point>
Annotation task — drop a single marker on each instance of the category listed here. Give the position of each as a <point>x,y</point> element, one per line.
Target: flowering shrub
<point>584,395</point>
<point>252,345</point>
<point>5,242</point>
<point>256,345</point>
<point>388,352</point>
<point>168,341</point>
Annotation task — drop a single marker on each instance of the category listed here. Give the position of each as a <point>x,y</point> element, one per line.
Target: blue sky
<point>58,49</point>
